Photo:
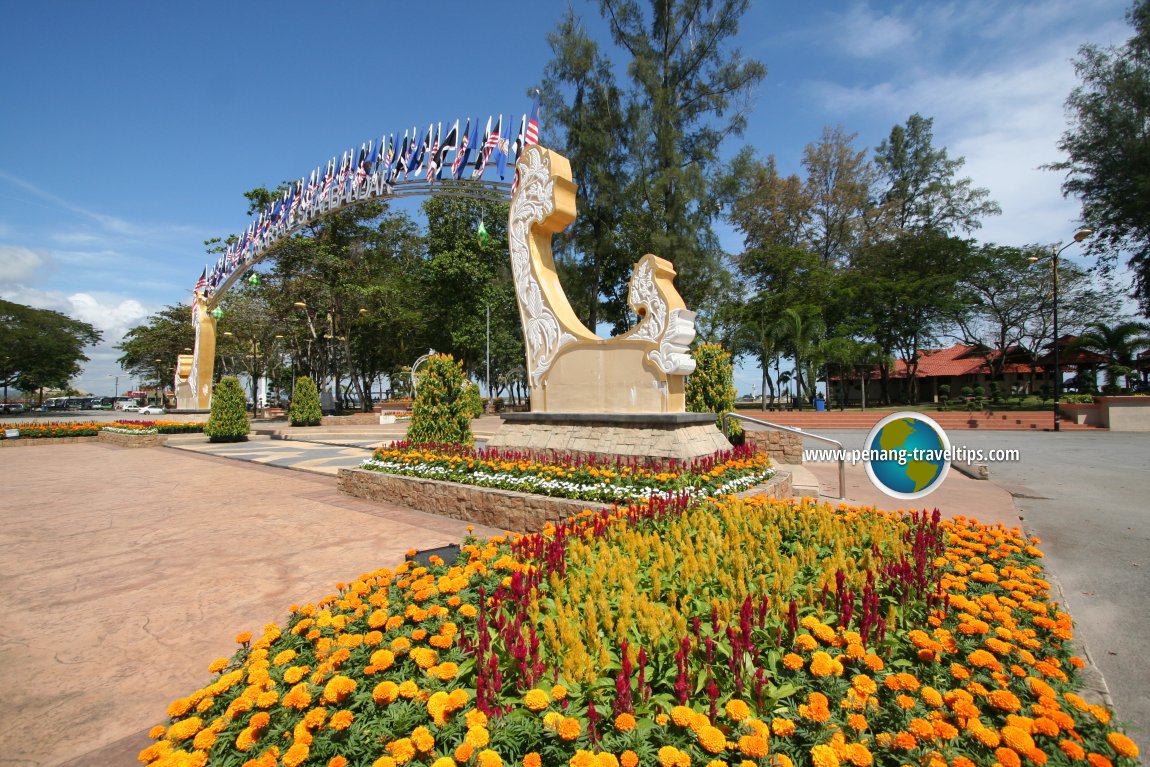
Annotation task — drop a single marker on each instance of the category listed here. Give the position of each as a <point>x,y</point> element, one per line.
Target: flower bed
<point>749,633</point>
<point>585,479</point>
<point>55,429</point>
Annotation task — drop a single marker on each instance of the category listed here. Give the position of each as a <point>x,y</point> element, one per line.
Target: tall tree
<point>585,105</point>
<point>163,336</point>
<point>919,187</point>
<point>837,189</point>
<point>690,89</point>
<point>1108,149</point>
<point>40,347</point>
<point>464,277</point>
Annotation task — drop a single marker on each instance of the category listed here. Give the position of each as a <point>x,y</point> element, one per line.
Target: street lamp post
<point>1056,251</point>
<point>115,396</point>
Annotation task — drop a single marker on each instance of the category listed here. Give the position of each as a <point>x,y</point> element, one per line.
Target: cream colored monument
<point>570,369</point>
<point>194,371</point>
<point>591,395</point>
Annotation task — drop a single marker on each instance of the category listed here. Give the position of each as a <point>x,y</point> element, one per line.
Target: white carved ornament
<point>532,203</point>
<point>673,355</point>
<point>643,295</point>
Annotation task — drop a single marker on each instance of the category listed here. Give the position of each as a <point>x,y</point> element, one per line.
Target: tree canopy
<point>41,347</point>
<point>1107,146</point>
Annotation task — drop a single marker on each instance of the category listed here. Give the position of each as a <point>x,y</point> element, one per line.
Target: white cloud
<point>866,34</point>
<point>19,264</point>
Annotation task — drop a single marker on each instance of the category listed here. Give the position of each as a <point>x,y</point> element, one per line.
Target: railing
<point>842,461</point>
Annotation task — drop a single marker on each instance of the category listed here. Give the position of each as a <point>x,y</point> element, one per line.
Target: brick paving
<point>124,572</point>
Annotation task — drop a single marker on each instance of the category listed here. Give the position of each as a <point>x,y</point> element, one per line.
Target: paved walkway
<point>124,572</point>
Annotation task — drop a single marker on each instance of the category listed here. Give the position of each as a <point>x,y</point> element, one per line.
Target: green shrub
<point>711,388</point>
<point>440,412</point>
<point>1078,399</point>
<point>228,421</point>
<point>305,410</point>
<point>472,401</point>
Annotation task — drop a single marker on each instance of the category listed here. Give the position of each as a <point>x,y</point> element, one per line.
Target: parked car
<point>12,407</point>
<point>151,410</point>
<point>130,407</point>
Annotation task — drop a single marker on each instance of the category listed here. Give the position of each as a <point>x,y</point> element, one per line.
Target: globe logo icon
<point>907,455</point>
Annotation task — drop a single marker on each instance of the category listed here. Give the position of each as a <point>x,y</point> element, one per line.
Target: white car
<point>151,410</point>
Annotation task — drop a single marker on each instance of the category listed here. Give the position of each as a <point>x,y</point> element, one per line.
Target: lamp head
<point>1083,233</point>
<point>300,304</point>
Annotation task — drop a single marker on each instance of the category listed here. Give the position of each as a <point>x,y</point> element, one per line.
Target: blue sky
<point>129,131</point>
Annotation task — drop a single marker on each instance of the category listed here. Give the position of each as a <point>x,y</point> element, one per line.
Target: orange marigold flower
<point>385,692</point>
<point>295,755</point>
<point>737,710</point>
<point>905,702</point>
<point>582,759</point>
<point>1098,760</point>
<point>754,746</point>
<point>297,697</point>
<point>244,638</point>
<point>668,756</point>
<point>824,756</point>
<point>569,728</point>
<point>475,718</point>
<point>478,737</point>
<point>624,722</point>
<point>180,730</point>
<point>337,761</point>
<point>905,741</point>
<point>782,727</point>
<point>1007,758</point>
<point>792,661</point>
<point>341,720</point>
<point>711,739</point>
<point>874,662</point>
<point>921,729</point>
<point>338,688</point>
<point>536,699</point>
<point>488,758</point>
<point>806,642</point>
<point>859,755</point>
<point>1123,745</point>
<point>465,751</point>
<point>443,761</point>
<point>626,759</point>
<point>931,697</point>
<point>402,750</point>
<point>1017,738</point>
<point>1005,700</point>
<point>857,722</point>
<point>219,664</point>
<point>1072,749</point>
<point>779,760</point>
<point>822,664</point>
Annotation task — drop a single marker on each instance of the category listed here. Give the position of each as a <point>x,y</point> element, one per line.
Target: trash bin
<point>820,405</point>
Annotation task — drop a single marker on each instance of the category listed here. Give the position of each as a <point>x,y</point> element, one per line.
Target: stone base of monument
<point>663,436</point>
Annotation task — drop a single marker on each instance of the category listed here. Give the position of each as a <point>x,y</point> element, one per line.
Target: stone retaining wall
<point>30,441</point>
<point>131,440</point>
<point>781,446</point>
<point>503,509</point>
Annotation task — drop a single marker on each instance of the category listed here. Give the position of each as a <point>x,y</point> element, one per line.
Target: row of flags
<point>417,156</point>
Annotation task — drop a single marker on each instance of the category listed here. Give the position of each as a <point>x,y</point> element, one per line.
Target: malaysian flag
<point>433,155</point>
<point>464,150</point>
<point>450,142</point>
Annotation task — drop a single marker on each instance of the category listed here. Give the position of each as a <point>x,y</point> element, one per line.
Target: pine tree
<point>440,413</point>
<point>228,421</point>
<point>305,409</point>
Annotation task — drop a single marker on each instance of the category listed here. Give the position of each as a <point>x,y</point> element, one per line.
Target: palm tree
<point>1119,344</point>
<point>800,334</point>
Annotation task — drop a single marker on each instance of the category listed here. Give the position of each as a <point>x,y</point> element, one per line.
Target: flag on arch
<point>465,144</point>
<point>517,151</point>
<point>490,144</point>
<point>422,151</point>
<point>450,142</point>
<point>531,135</point>
<point>201,286</point>
<point>433,155</point>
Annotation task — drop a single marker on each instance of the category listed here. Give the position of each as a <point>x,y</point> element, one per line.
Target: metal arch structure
<point>371,190</point>
<point>355,179</point>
